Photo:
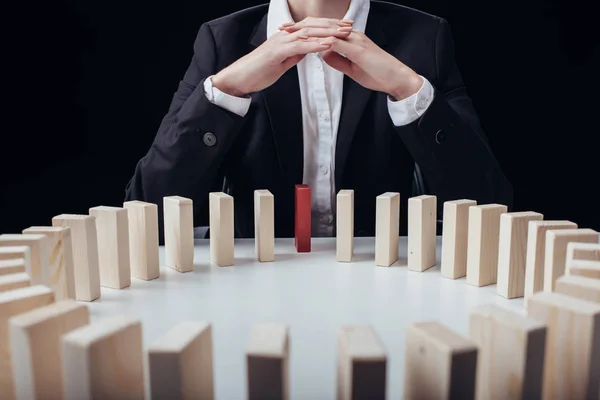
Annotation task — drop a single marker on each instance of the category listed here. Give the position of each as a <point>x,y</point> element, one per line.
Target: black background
<point>88,82</point>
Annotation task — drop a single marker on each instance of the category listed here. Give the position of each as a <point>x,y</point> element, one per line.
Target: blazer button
<point>440,136</point>
<point>209,139</point>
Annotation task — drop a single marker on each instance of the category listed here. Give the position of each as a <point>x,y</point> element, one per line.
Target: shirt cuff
<point>408,110</point>
<point>236,105</point>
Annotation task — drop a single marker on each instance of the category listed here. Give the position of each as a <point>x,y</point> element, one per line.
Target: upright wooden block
<point>512,252</point>
<point>422,223</point>
<point>38,248</point>
<point>14,266</point>
<point>143,239</point>
<point>85,254</point>
<point>181,363</point>
<point>221,229</point>
<point>362,364</point>
<point>344,249</point>
<point>112,229</point>
<point>536,252</point>
<point>36,338</point>
<point>14,281</point>
<point>556,252</point>
<point>583,251</point>
<point>104,361</point>
<point>60,259</point>
<point>179,233</point>
<point>302,218</point>
<point>8,253</point>
<point>267,362</point>
<point>579,287</point>
<point>510,363</point>
<point>439,363</point>
<point>13,303</point>
<point>484,239</point>
<point>572,361</point>
<point>264,225</point>
<point>387,228</point>
<point>455,230</point>
<point>585,268</point>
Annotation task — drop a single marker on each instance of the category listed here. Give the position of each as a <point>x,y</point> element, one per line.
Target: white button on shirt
<point>321,96</point>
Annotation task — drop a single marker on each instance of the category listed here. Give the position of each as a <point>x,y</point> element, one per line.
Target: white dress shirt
<point>321,98</point>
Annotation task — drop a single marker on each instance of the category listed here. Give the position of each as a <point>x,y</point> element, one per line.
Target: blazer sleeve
<point>187,155</point>
<point>447,141</point>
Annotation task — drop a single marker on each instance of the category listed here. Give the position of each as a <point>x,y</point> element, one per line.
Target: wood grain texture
<point>267,362</point>
<point>512,252</point>
<point>422,224</point>
<point>455,231</point>
<point>36,337</point>
<point>484,239</point>
<point>222,235</point>
<point>302,219</point>
<point>579,287</point>
<point>387,228</point>
<point>510,362</point>
<point>582,251</point>
<point>85,254</point>
<point>13,266</point>
<point>181,363</point>
<point>38,249</point>
<point>264,225</point>
<point>585,268</point>
<point>179,233</point>
<point>143,239</point>
<point>14,281</point>
<point>572,360</point>
<point>344,249</point>
<point>8,253</point>
<point>60,259</point>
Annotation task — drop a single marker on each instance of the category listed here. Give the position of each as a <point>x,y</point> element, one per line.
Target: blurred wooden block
<point>8,253</point>
<point>104,360</point>
<point>14,266</point>
<point>510,364</point>
<point>387,228</point>
<point>582,251</point>
<point>181,363</point>
<point>585,268</point>
<point>222,233</point>
<point>267,362</point>
<point>439,363</point>
<point>484,240</point>
<point>60,259</point>
<point>362,364</point>
<point>38,250</point>
<point>572,361</point>
<point>143,239</point>
<point>264,225</point>
<point>422,223</point>
<point>112,229</point>
<point>14,281</point>
<point>36,338</point>
<point>556,251</point>
<point>579,287</point>
<point>85,254</point>
<point>512,252</point>
<point>179,233</point>
<point>13,303</point>
<point>455,231</point>
<point>536,252</point>
<point>344,226</point>
<point>302,218</point>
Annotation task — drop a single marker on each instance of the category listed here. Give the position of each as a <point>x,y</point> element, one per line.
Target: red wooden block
<point>302,217</point>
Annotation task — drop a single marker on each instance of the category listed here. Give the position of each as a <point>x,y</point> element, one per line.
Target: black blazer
<point>201,147</point>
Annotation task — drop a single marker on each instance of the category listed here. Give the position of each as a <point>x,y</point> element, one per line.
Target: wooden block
<point>510,363</point>
<point>302,218</point>
<point>13,303</point>
<point>143,239</point>
<point>85,254</point>
<point>15,252</point>
<point>583,251</point>
<point>422,223</point>
<point>181,363</point>
<point>362,364</point>
<point>38,248</point>
<point>36,338</point>
<point>222,235</point>
<point>267,362</point>
<point>579,287</point>
<point>536,252</point>
<point>572,361</point>
<point>60,259</point>
<point>14,266</point>
<point>484,239</point>
<point>179,233</point>
<point>455,230</point>
<point>387,228</point>
<point>512,252</point>
<point>104,360</point>
<point>112,229</point>
<point>585,268</point>
<point>344,226</point>
<point>14,281</point>
<point>439,363</point>
<point>264,225</point>
<point>556,252</point>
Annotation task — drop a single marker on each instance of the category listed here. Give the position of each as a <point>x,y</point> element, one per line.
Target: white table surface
<point>310,292</point>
